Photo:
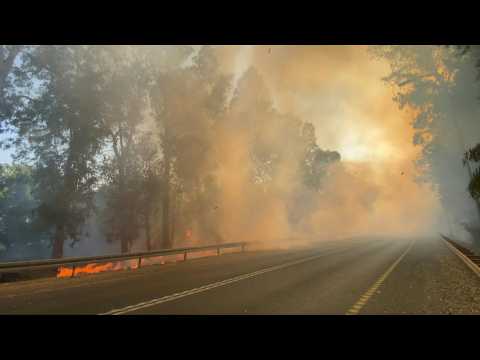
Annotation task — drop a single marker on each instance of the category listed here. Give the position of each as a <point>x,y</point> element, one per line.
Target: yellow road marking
<point>355,309</point>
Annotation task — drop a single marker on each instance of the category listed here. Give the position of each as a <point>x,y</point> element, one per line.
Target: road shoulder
<point>429,280</point>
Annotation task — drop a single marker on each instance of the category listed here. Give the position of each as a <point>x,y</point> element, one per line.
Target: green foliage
<point>58,130</point>
<point>18,231</point>
<point>473,155</point>
<point>142,127</point>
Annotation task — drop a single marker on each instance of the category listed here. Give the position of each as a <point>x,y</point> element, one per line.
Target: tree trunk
<point>58,242</point>
<point>125,235</point>
<point>148,233</point>
<point>119,151</point>
<point>166,241</point>
<point>64,201</point>
<point>172,222</point>
<point>166,216</point>
<point>124,244</point>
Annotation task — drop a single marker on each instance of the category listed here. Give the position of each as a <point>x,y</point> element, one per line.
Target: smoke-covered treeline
<point>124,148</point>
<point>146,147</point>
<point>439,86</point>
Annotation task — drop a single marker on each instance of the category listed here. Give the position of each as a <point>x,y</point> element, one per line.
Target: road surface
<point>354,277</point>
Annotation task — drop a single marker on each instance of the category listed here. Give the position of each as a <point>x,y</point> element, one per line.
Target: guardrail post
<point>185,256</point>
<point>73,271</point>
<point>218,251</point>
<point>139,262</point>
<point>243,247</point>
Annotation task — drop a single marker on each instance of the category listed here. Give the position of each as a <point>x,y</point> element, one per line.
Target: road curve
<point>357,276</point>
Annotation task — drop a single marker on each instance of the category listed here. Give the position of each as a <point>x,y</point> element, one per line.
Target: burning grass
<point>95,268</point>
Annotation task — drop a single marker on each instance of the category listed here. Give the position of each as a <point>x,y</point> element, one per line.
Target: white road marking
<point>204,288</point>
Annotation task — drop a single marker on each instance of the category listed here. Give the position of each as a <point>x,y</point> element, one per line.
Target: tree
<point>135,81</point>
<point>185,128</point>
<point>150,186</point>
<point>270,158</point>
<point>196,137</point>
<point>8,55</point>
<point>282,145</point>
<point>435,83</point>
<point>122,97</point>
<point>19,235</point>
<point>142,132</point>
<point>472,154</point>
<point>316,161</point>
<point>58,130</point>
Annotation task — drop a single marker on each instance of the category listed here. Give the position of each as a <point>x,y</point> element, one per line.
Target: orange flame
<point>95,268</point>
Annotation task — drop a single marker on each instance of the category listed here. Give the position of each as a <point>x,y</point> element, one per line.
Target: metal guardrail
<point>53,263</point>
<point>469,258</point>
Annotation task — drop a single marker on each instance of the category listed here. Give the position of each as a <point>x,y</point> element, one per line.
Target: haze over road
<point>358,276</point>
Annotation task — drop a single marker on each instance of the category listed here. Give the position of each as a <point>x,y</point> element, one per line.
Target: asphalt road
<point>357,276</point>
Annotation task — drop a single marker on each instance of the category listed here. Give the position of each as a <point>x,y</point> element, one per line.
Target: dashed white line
<point>204,288</point>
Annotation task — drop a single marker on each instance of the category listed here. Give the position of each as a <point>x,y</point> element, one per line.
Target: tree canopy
<point>135,137</point>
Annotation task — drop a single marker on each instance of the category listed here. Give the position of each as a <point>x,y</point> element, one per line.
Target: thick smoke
<point>373,190</point>
<point>339,90</point>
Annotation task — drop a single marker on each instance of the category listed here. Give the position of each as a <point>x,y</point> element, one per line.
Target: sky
<point>5,155</point>
<point>339,89</point>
